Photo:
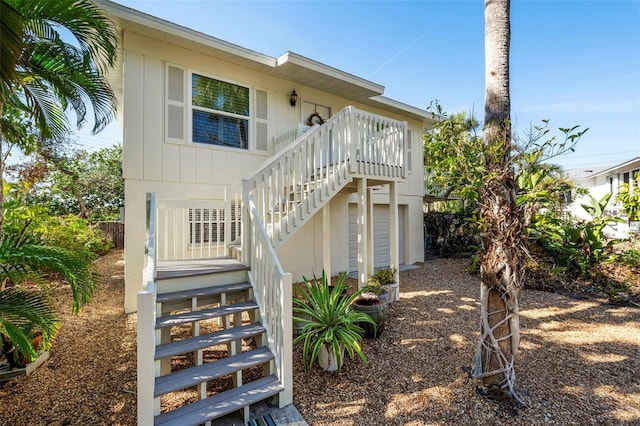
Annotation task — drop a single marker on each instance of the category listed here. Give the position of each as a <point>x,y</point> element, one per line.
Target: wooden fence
<point>114,231</point>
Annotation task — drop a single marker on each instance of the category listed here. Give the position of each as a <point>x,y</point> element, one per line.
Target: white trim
<point>174,29</point>
<point>310,64</point>
<point>422,113</point>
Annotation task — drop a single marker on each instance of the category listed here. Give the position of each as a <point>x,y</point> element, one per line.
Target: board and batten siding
<point>174,168</point>
<point>154,153</point>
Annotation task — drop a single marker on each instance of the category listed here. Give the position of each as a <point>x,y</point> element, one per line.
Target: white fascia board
<point>135,16</point>
<point>426,115</point>
<point>617,167</point>
<point>299,60</point>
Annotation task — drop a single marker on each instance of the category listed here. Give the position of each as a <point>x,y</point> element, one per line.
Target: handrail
<point>290,136</point>
<point>148,406</point>
<point>273,294</point>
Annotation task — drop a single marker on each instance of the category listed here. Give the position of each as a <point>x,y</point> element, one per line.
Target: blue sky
<point>572,62</point>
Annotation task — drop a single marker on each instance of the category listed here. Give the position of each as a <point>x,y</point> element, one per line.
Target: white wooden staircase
<point>197,327</point>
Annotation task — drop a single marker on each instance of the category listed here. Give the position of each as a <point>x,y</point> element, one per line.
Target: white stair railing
<point>148,406</point>
<point>289,137</point>
<point>273,293</point>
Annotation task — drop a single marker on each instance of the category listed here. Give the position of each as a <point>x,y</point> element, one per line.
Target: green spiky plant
<point>333,321</point>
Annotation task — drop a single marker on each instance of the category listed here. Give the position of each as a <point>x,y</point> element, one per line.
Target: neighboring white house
<point>600,181</point>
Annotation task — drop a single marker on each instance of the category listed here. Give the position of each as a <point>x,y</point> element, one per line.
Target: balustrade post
<point>405,153</point>
<point>245,230</point>
<point>352,138</point>
<point>286,368</point>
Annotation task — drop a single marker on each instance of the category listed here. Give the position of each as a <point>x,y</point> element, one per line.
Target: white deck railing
<point>147,404</point>
<point>377,144</point>
<point>289,137</point>
<point>273,293</point>
<point>192,229</point>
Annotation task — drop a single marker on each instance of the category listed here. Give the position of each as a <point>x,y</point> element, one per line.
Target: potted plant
<point>387,279</point>
<point>375,291</point>
<point>333,327</point>
<point>374,307</point>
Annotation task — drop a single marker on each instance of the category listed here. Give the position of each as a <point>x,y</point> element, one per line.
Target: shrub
<point>76,235</point>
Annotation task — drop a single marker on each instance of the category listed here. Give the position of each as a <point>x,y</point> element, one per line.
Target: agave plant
<point>329,320</point>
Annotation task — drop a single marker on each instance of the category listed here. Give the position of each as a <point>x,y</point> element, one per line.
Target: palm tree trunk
<point>502,250</point>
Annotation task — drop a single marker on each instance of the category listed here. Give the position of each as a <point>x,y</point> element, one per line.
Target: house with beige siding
<point>244,173</point>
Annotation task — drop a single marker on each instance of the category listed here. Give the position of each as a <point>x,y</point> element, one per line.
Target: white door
<point>381,245</point>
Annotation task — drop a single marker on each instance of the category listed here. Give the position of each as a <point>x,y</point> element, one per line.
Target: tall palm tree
<point>503,238</point>
<point>53,57</point>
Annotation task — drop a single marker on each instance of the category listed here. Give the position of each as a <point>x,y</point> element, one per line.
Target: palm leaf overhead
<point>11,42</point>
<point>55,70</point>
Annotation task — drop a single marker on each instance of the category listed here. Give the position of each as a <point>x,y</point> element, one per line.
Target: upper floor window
<point>220,112</point>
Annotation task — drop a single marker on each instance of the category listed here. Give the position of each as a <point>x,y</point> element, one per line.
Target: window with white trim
<point>220,112</point>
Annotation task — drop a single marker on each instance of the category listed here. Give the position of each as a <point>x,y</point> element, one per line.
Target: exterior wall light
<point>294,98</point>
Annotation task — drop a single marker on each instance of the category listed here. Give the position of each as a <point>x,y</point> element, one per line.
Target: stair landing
<point>193,267</point>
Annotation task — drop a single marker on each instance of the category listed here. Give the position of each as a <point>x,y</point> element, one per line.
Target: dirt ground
<point>90,377</point>
<point>579,362</point>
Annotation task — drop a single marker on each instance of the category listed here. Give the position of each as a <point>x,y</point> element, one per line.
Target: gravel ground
<point>579,363</point>
<point>90,378</point>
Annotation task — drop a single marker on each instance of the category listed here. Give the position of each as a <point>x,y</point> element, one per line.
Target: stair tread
<point>204,314</point>
<point>202,292</point>
<point>222,403</point>
<point>211,370</point>
<point>200,342</point>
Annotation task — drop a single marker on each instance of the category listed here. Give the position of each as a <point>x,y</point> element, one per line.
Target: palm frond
<point>11,36</point>
<point>23,312</point>
<point>19,261</point>
<point>51,75</point>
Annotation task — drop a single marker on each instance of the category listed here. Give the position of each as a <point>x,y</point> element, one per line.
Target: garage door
<point>380,235</point>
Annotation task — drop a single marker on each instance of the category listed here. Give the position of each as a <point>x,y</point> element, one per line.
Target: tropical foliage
<point>629,196</point>
<point>81,183</point>
<point>574,245</point>
<point>328,319</point>
<point>53,56</point>
<point>26,308</point>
